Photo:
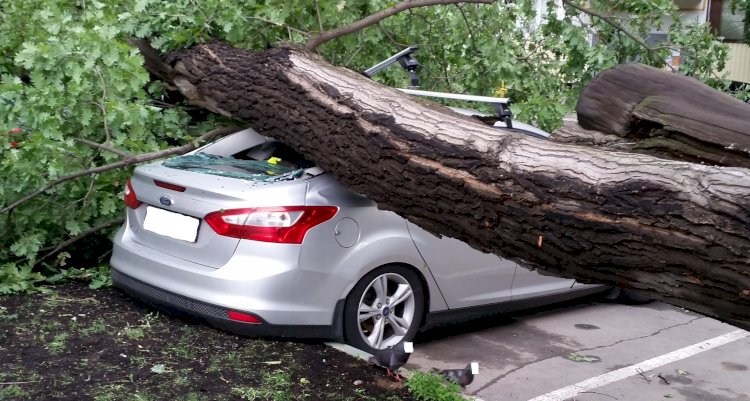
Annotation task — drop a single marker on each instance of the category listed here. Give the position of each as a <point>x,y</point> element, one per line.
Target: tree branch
<point>318,40</point>
<point>317,11</point>
<point>102,105</point>
<point>618,27</point>
<point>611,23</point>
<point>123,154</point>
<point>354,54</point>
<point>152,60</point>
<point>390,37</point>
<point>468,28</point>
<point>124,163</point>
<point>288,27</point>
<point>78,237</point>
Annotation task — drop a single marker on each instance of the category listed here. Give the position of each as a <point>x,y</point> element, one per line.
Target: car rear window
<point>269,161</point>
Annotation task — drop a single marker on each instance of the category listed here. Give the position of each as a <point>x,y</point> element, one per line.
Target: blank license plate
<point>171,224</point>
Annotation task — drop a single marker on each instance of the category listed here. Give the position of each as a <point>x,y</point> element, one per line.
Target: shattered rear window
<point>269,170</point>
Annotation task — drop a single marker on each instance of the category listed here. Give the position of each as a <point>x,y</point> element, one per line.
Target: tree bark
<point>675,230</point>
<point>573,134</point>
<point>668,115</point>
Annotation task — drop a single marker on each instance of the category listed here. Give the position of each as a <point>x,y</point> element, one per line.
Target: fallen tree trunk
<point>667,115</point>
<point>675,230</point>
<point>573,134</point>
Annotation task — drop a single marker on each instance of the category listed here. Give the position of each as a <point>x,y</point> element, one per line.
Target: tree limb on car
<point>144,157</point>
<point>677,231</point>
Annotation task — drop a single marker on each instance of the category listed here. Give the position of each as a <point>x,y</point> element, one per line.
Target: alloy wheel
<point>386,310</point>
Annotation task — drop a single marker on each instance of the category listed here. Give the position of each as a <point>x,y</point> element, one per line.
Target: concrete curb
<point>359,354</point>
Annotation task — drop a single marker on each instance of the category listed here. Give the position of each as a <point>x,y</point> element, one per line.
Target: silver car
<point>248,235</point>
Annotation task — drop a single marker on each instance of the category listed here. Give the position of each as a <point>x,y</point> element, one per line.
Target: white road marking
<point>650,364</point>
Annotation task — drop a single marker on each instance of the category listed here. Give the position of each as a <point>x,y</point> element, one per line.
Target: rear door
<point>465,276</point>
<point>528,284</point>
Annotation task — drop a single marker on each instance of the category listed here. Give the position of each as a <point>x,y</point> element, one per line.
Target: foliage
<point>742,7</point>
<point>14,278</point>
<point>97,276</point>
<point>432,387</point>
<point>67,75</point>
<point>742,92</point>
<point>275,386</point>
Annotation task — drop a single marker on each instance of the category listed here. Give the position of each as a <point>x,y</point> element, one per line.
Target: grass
<point>109,392</point>
<point>57,345</point>
<point>133,333</point>
<point>275,386</point>
<point>5,316</point>
<point>432,387</point>
<point>10,392</point>
<point>96,327</point>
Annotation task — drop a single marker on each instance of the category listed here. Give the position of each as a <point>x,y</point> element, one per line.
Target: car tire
<point>373,319</point>
<point>627,297</point>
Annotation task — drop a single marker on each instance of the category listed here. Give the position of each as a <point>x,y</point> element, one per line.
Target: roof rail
<point>456,96</point>
<point>502,104</point>
<point>407,61</point>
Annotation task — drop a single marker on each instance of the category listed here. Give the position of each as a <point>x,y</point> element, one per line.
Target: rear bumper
<point>218,317</point>
<point>264,285</point>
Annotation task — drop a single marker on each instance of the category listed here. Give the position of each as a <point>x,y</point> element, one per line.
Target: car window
<point>267,161</point>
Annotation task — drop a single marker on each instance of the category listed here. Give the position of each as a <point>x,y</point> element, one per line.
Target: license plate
<point>171,224</point>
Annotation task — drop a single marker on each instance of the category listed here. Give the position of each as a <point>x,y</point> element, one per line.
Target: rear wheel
<point>384,308</point>
<point>627,297</point>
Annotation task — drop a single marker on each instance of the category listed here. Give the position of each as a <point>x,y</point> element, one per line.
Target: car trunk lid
<point>178,193</point>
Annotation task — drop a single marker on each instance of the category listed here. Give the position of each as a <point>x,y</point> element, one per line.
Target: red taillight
<point>130,199</point>
<point>243,317</point>
<point>287,225</point>
<point>167,185</point>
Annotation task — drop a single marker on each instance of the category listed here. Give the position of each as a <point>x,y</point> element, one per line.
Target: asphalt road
<point>595,351</point>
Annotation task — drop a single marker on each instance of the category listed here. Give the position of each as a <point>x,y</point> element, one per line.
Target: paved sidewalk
<point>595,351</point>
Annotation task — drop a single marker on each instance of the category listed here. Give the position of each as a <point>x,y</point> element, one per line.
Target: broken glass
<point>273,169</point>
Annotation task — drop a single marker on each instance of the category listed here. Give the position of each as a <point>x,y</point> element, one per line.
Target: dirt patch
<point>74,343</point>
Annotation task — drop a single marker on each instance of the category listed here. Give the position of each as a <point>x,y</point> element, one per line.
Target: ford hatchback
<point>248,235</point>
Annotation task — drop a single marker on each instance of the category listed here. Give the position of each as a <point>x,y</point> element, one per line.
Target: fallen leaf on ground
<point>583,358</point>
<point>159,368</point>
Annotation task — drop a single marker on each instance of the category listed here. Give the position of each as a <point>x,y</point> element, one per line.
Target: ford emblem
<point>166,201</point>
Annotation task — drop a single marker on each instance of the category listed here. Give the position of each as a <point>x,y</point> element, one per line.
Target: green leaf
<point>159,369</point>
<point>140,5</point>
<point>583,358</point>
<point>73,227</point>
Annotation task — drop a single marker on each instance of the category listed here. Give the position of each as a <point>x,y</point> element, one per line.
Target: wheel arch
<point>383,251</point>
<point>421,275</point>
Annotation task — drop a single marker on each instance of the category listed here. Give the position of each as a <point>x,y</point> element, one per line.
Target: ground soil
<point>74,343</point>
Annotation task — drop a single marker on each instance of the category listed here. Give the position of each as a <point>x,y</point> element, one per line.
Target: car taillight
<point>286,225</point>
<point>173,187</point>
<point>243,317</point>
<point>130,199</point>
